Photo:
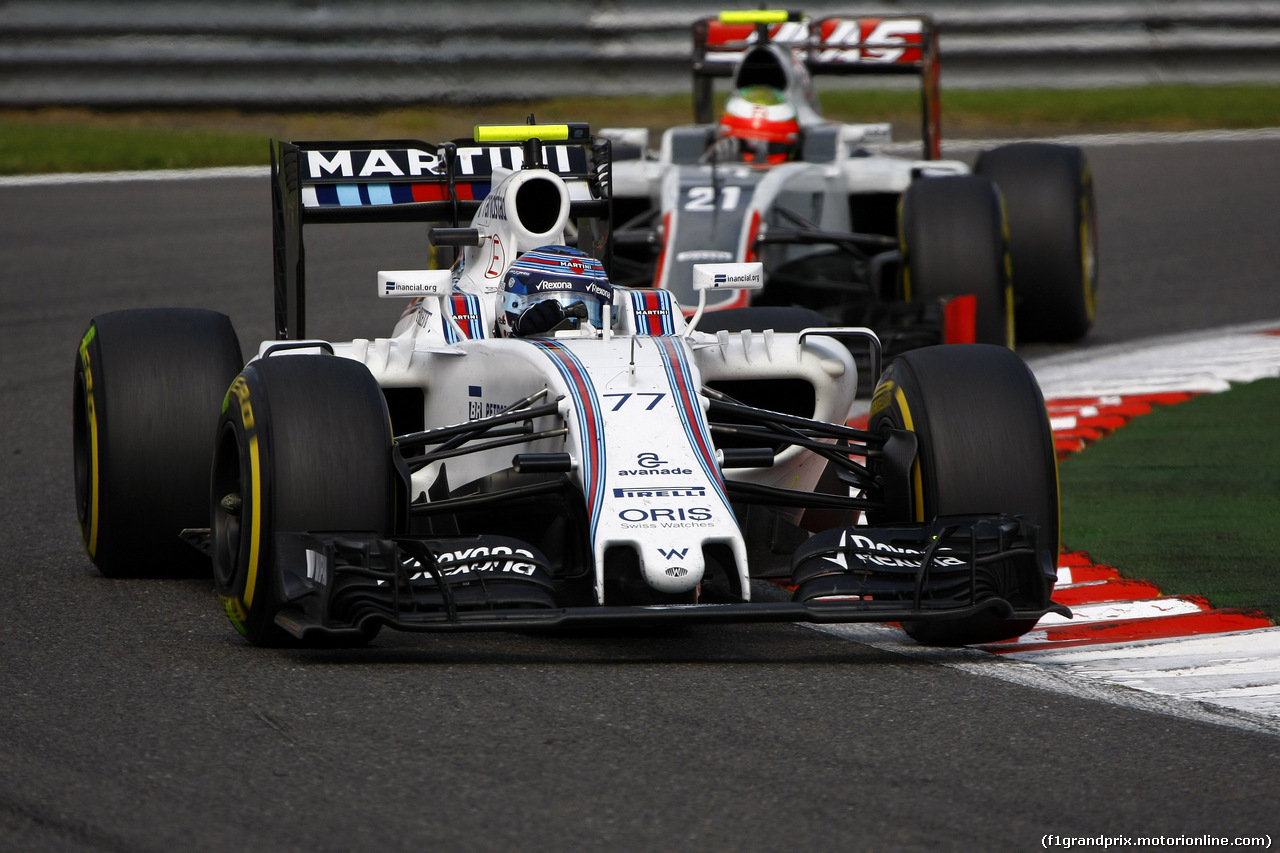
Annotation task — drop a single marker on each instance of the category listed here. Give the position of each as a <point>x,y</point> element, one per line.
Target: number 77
<point>656,395</point>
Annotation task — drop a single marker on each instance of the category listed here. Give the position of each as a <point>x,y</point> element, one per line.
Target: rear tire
<point>148,387</point>
<point>984,446</point>
<point>304,445</point>
<point>1053,237</point>
<point>951,231</point>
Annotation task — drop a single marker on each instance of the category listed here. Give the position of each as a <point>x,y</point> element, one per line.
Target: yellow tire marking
<point>235,612</point>
<point>240,388</point>
<point>255,530</point>
<point>91,536</point>
<point>1010,334</point>
<point>916,479</point>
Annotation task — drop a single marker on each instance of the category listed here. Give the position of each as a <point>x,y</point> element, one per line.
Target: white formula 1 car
<point>618,467</point>
<point>923,250</point>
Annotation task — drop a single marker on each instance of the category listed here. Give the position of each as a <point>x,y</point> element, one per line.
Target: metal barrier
<point>351,53</point>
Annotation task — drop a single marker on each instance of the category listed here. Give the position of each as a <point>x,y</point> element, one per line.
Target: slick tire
<point>147,391</point>
<point>1053,236</point>
<point>984,446</point>
<point>951,234</point>
<point>303,444</point>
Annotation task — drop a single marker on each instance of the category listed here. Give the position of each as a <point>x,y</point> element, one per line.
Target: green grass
<point>57,140</point>
<point>1149,108</point>
<point>1187,497</point>
<point>32,147</point>
<point>1049,110</point>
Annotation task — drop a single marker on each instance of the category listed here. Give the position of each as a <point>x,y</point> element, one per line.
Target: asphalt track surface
<point>133,718</point>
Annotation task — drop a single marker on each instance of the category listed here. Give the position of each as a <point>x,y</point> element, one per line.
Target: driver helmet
<point>568,276</point>
<point>765,124</point>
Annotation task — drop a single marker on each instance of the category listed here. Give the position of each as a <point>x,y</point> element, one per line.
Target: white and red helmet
<point>765,122</point>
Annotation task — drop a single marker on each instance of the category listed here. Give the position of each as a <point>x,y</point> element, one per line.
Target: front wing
<point>953,568</point>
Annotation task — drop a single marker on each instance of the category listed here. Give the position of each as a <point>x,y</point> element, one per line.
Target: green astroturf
<point>1187,497</point>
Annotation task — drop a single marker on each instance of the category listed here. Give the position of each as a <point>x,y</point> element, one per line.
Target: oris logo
<point>695,513</point>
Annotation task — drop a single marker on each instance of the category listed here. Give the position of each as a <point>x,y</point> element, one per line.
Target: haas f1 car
<point>608,464</point>
<point>923,250</point>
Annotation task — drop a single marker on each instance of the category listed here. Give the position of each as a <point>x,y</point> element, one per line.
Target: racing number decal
<point>656,395</point>
<point>236,607</point>
<point>703,199</point>
<point>90,536</point>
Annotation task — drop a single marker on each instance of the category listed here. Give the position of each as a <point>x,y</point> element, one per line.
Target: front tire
<point>148,385</point>
<point>984,447</point>
<point>951,232</point>
<point>304,444</point>
<point>1053,237</point>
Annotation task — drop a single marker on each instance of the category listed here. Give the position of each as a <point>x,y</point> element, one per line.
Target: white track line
<point>1057,678</point>
<point>1238,670</point>
<point>1206,361</point>
<point>1111,611</point>
<point>67,178</point>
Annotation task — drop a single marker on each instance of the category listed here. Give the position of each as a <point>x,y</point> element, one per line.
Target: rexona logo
<point>670,492</point>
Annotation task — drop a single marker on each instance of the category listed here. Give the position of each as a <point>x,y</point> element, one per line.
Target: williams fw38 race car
<point>924,250</point>
<point>534,446</point>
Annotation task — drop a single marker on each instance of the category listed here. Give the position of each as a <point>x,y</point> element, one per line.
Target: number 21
<point>704,198</point>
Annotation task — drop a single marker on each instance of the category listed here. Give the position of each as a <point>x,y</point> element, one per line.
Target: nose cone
<point>672,569</point>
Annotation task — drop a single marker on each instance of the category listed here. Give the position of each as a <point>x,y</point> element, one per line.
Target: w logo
<point>673,554</point>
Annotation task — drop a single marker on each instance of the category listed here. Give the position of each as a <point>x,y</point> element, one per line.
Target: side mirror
<point>723,277</point>
<point>400,284</point>
<point>396,284</point>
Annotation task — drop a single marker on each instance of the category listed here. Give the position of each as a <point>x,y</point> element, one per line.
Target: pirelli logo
<point>670,492</point>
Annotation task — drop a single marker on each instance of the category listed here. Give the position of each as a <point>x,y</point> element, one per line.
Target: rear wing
<point>406,180</point>
<point>831,45</point>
